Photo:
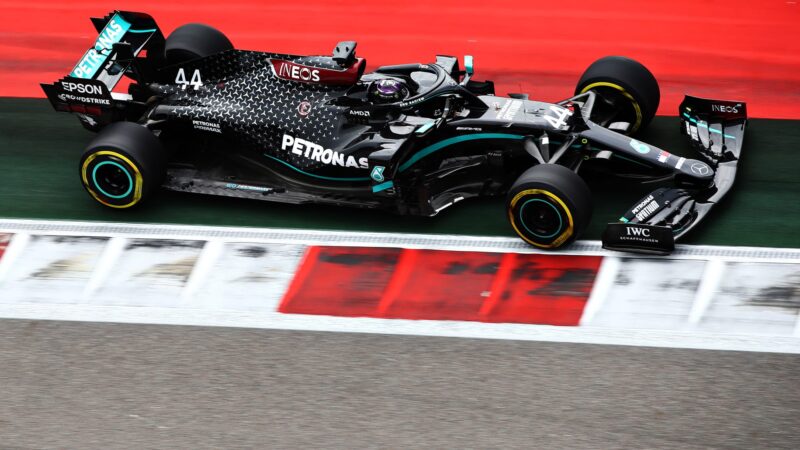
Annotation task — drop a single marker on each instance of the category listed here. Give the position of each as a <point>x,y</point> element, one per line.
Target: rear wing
<point>125,40</point>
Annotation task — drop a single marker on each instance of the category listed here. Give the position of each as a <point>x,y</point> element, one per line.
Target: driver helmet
<point>387,90</point>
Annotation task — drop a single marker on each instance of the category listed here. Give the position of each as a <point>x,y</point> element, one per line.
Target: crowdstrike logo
<point>68,98</point>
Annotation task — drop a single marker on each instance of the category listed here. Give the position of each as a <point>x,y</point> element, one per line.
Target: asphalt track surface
<point>78,385</point>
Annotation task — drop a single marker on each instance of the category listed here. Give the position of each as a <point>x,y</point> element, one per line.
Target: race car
<point>200,116</point>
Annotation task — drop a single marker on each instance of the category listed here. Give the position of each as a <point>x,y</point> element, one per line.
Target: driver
<point>387,90</point>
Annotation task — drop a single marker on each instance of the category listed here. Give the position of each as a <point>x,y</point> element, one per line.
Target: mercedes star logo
<point>700,169</point>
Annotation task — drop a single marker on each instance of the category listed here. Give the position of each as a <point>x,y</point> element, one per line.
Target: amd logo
<point>725,108</point>
<point>90,89</point>
<point>359,112</point>
<point>636,231</point>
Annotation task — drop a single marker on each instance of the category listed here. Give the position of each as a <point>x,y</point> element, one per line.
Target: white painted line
<point>609,268</point>
<point>205,262</point>
<point>712,275</point>
<point>13,250</point>
<point>360,238</point>
<point>473,330</point>
<point>111,253</point>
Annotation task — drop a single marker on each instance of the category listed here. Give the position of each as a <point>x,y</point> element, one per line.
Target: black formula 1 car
<point>200,116</point>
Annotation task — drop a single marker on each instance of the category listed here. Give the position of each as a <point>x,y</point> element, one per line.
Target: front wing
<point>715,129</point>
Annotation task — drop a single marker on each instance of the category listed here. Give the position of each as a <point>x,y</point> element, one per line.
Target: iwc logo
<point>636,231</point>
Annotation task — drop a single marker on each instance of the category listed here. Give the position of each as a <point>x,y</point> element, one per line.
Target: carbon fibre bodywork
<point>301,129</point>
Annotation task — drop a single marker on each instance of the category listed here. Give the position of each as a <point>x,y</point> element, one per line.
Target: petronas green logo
<point>377,173</point>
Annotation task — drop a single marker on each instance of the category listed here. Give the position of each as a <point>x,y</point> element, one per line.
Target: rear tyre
<point>628,85</point>
<point>123,165</point>
<point>549,206</point>
<point>194,40</point>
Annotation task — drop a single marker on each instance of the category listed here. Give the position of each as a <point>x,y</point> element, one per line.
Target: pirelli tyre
<point>123,165</point>
<point>628,85</point>
<point>194,40</point>
<point>549,206</point>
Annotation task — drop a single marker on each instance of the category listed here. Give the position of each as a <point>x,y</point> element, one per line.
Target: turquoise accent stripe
<point>720,132</point>
<point>424,128</point>
<point>623,220</point>
<point>454,140</point>
<point>468,64</point>
<point>123,169</point>
<point>322,177</point>
<point>704,125</point>
<point>152,30</point>
<point>382,186</point>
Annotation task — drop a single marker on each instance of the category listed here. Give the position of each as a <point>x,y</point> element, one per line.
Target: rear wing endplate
<point>124,40</point>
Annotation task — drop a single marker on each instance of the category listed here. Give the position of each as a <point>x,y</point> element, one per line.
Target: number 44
<point>196,81</point>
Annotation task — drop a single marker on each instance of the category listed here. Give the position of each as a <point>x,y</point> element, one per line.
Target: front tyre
<point>123,165</point>
<point>549,206</point>
<point>628,86</point>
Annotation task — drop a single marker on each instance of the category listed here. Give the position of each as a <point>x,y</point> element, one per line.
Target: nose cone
<point>696,169</point>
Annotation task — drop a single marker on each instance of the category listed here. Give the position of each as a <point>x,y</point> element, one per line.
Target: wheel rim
<point>625,106</point>
<point>112,179</point>
<point>541,218</point>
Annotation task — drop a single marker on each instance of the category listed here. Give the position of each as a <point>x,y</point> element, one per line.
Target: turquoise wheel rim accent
<point>558,213</point>
<point>124,170</point>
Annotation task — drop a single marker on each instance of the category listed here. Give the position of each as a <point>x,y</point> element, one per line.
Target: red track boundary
<point>442,285</point>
